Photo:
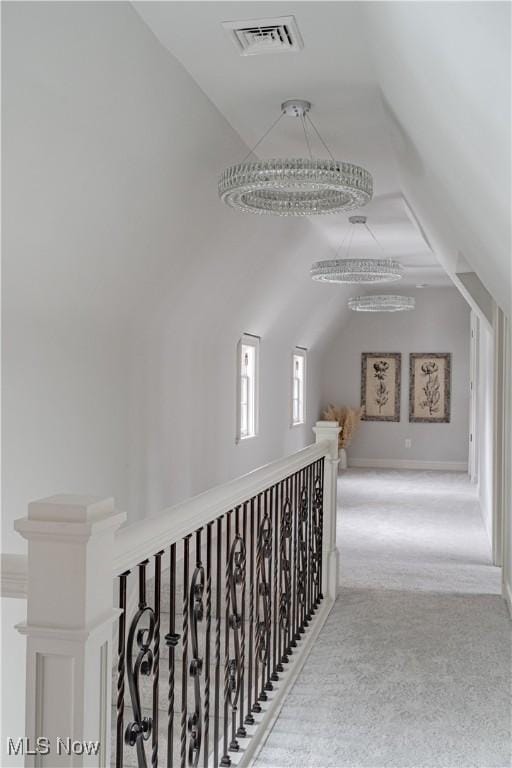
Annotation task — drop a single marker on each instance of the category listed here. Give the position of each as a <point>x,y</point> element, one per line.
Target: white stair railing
<point>229,590</point>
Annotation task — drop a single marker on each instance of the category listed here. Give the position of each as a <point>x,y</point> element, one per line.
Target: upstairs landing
<point>413,666</point>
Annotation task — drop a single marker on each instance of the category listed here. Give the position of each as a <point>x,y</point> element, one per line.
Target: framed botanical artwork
<point>380,386</point>
<point>429,387</point>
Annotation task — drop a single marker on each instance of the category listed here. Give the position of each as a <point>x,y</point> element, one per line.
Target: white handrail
<point>142,539</point>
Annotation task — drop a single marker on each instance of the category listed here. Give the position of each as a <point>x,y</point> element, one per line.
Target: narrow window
<point>298,385</point>
<point>247,373</point>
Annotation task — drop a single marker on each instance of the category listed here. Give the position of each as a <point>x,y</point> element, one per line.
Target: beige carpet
<point>413,667</point>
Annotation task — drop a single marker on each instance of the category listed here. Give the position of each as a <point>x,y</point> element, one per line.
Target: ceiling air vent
<point>258,36</point>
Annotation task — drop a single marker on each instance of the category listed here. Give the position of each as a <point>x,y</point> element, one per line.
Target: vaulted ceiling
<point>126,282</point>
<point>417,93</point>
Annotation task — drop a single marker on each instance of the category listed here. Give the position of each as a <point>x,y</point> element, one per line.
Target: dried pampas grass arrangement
<point>347,418</point>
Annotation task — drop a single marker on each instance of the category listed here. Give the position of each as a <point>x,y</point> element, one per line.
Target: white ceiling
<point>334,72</point>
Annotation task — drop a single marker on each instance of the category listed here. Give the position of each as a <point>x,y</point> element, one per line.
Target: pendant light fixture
<point>297,186</point>
<point>352,271</point>
<point>384,303</point>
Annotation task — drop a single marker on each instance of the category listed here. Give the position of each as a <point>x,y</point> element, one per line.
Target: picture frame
<point>380,385</point>
<point>430,387</point>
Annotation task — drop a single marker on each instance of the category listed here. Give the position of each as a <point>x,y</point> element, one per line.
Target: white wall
<point>126,282</point>
<point>485,425</point>
<point>440,323</point>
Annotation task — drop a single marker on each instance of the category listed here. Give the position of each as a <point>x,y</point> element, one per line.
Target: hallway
<point>412,668</point>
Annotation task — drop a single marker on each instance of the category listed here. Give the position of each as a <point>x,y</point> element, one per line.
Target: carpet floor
<point>413,666</point>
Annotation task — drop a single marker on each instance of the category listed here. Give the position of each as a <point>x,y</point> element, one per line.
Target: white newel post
<point>69,628</point>
<point>329,430</point>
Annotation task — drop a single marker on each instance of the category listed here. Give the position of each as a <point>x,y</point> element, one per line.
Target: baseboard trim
<point>507,594</point>
<point>446,466</point>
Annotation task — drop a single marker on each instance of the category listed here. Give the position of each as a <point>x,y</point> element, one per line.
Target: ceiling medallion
<point>297,186</point>
<point>381,303</point>
<point>353,271</point>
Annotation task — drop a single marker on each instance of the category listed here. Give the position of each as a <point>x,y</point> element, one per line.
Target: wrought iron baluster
<point>321,527</point>
<point>121,655</point>
<point>139,729</point>
<point>171,640</point>
<point>249,719</point>
<point>317,533</point>
<point>264,624</point>
<point>275,613</point>
<point>285,600</point>
<point>318,502</point>
<point>295,505</point>
<point>237,562</point>
<point>268,683</point>
<point>279,578</point>
<point>207,643</point>
<point>314,534</point>
<point>242,732</point>
<point>307,527</point>
<point>184,653</point>
<point>307,513</point>
<point>234,625</point>
<point>302,537</point>
<point>315,521</point>
<point>156,656</point>
<point>196,607</point>
<point>226,760</point>
<point>217,644</point>
<point>256,707</point>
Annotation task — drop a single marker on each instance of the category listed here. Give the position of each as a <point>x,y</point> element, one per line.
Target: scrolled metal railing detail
<point>316,554</point>
<point>196,608</point>
<point>302,549</point>
<point>319,496</point>
<point>242,615</point>
<point>237,561</point>
<point>285,598</point>
<point>263,620</point>
<point>139,729</point>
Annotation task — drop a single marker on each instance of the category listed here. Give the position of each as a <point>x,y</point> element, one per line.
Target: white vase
<point>343,459</point>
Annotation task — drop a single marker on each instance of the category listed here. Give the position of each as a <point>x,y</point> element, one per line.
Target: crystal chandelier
<point>383,303</point>
<point>354,271</point>
<point>298,186</point>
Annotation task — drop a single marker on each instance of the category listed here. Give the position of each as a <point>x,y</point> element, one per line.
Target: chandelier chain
<point>350,236</point>
<point>306,137</point>
<point>252,151</point>
<point>374,238</point>
<point>320,137</point>
<point>348,233</point>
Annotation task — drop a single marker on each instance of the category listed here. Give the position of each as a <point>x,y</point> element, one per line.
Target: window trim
<point>299,352</point>
<point>247,339</point>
